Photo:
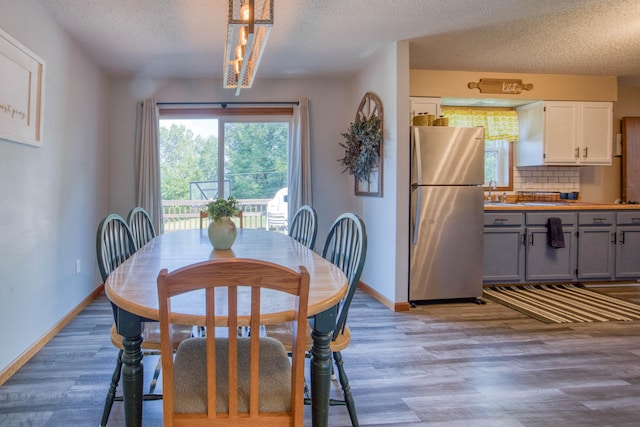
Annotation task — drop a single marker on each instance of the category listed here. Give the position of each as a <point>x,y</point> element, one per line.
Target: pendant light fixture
<point>248,29</point>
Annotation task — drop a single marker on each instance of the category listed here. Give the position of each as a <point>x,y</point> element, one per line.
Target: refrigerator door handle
<point>417,163</point>
<point>416,224</point>
<point>417,158</point>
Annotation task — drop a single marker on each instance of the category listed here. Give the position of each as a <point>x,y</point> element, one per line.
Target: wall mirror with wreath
<point>363,147</point>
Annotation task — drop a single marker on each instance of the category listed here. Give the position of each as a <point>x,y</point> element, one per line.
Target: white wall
<point>328,116</point>
<point>386,218</point>
<point>51,198</point>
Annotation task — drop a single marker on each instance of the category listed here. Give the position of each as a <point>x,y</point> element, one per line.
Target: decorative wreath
<point>362,147</point>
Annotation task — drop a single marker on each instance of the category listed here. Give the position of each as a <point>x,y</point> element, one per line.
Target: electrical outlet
<point>77,266</point>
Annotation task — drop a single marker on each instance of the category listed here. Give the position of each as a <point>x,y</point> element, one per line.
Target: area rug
<point>564,303</point>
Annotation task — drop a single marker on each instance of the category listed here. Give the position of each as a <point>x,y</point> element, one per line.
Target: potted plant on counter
<point>222,231</point>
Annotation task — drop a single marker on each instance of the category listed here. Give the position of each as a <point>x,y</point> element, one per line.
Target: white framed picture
<point>21,92</point>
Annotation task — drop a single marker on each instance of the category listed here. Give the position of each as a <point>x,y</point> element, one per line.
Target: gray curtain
<point>148,155</point>
<point>299,179</point>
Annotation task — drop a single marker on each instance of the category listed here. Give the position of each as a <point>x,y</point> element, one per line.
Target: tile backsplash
<point>546,178</point>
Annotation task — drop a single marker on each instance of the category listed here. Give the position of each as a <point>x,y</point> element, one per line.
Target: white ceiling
<point>185,38</point>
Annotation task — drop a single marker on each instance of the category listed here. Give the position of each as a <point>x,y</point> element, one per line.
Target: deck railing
<point>185,214</point>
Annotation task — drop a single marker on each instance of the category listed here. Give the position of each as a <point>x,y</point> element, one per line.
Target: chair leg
<point>156,375</point>
<point>111,394</point>
<point>346,390</point>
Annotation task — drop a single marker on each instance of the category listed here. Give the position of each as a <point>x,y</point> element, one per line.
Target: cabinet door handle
<point>577,155</point>
<point>622,238</point>
<point>586,152</point>
<point>500,220</point>
<point>599,220</point>
<point>523,239</point>
<point>530,239</point>
<point>613,237</point>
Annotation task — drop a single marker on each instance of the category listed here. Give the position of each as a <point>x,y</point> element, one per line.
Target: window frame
<point>230,115</point>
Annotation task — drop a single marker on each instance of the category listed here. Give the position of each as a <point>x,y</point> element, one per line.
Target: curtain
<point>299,175</point>
<point>499,125</point>
<point>148,154</point>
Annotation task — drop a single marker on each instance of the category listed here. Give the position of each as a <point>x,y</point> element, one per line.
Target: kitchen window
<point>501,130</point>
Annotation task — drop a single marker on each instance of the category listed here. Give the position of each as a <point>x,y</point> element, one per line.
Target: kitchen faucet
<point>492,186</point>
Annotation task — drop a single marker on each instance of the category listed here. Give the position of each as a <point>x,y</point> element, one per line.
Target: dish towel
<point>554,232</point>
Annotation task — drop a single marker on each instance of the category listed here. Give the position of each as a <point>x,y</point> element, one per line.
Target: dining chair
<point>346,247</point>
<point>249,380</point>
<point>141,226</point>
<point>304,226</point>
<point>114,245</point>
<point>204,216</point>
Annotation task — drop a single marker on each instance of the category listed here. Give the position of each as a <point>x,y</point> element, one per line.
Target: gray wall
<point>51,197</point>
<point>328,115</point>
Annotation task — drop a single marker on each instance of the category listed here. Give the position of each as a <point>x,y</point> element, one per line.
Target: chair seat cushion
<point>190,379</point>
<point>283,332</point>
<point>151,335</point>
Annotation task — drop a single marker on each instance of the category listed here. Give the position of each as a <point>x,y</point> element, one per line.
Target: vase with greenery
<point>362,147</point>
<point>222,231</point>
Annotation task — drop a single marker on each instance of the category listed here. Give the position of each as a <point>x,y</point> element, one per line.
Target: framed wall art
<point>21,92</point>
<point>363,147</point>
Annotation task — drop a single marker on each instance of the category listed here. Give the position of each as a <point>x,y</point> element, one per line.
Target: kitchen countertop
<point>557,206</point>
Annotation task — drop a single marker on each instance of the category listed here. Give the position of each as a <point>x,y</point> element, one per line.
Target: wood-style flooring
<point>437,365</point>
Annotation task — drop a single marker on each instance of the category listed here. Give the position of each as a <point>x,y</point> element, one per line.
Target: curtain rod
<point>224,104</point>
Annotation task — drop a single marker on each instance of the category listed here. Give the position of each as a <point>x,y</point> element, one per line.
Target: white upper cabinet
<point>565,133</point>
<point>424,105</point>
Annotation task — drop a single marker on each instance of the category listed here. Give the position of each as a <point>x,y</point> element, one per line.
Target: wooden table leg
<point>323,325</point>
<point>129,326</point>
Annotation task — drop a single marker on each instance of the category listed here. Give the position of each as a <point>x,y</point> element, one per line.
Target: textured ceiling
<point>185,38</point>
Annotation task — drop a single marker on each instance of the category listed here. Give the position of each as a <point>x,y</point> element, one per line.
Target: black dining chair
<point>304,226</point>
<point>114,245</point>
<point>345,247</point>
<point>141,226</point>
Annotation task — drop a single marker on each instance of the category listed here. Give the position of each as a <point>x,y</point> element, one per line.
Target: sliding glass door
<point>202,158</point>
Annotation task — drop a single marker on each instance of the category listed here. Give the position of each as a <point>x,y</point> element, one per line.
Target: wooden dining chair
<point>204,217</point>
<point>304,226</point>
<point>114,245</point>
<point>141,226</point>
<point>249,380</point>
<point>346,247</point>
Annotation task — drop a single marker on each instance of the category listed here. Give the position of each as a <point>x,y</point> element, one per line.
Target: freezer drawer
<point>447,243</point>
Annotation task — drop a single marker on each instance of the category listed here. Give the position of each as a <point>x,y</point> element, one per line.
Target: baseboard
<point>395,306</point>
<point>13,367</point>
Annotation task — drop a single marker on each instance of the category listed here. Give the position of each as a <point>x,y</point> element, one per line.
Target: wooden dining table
<point>132,287</point>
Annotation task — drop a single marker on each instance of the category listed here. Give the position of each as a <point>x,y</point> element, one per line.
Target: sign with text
<point>500,86</point>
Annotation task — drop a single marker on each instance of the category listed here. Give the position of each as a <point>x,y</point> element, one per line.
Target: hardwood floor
<point>437,365</point>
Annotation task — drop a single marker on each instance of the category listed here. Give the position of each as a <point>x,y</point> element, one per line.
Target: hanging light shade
<point>248,29</point>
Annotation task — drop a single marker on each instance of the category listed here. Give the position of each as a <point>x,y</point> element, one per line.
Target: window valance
<point>499,125</point>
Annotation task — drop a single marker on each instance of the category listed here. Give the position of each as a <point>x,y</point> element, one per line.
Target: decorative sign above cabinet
<point>501,86</point>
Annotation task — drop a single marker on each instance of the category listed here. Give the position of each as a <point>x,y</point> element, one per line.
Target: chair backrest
<point>114,244</point>
<point>304,226</point>
<point>243,280</point>
<point>346,247</point>
<point>141,226</point>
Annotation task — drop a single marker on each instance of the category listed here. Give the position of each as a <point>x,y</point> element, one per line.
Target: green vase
<point>222,233</point>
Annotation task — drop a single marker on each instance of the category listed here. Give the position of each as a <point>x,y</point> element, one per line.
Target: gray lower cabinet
<point>503,247</point>
<point>596,245</point>
<point>628,245</point>
<point>599,245</point>
<point>544,262</point>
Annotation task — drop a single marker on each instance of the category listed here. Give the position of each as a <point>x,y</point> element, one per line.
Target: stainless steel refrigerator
<point>446,225</point>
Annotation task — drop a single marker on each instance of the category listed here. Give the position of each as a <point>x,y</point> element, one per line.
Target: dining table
<point>132,288</point>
